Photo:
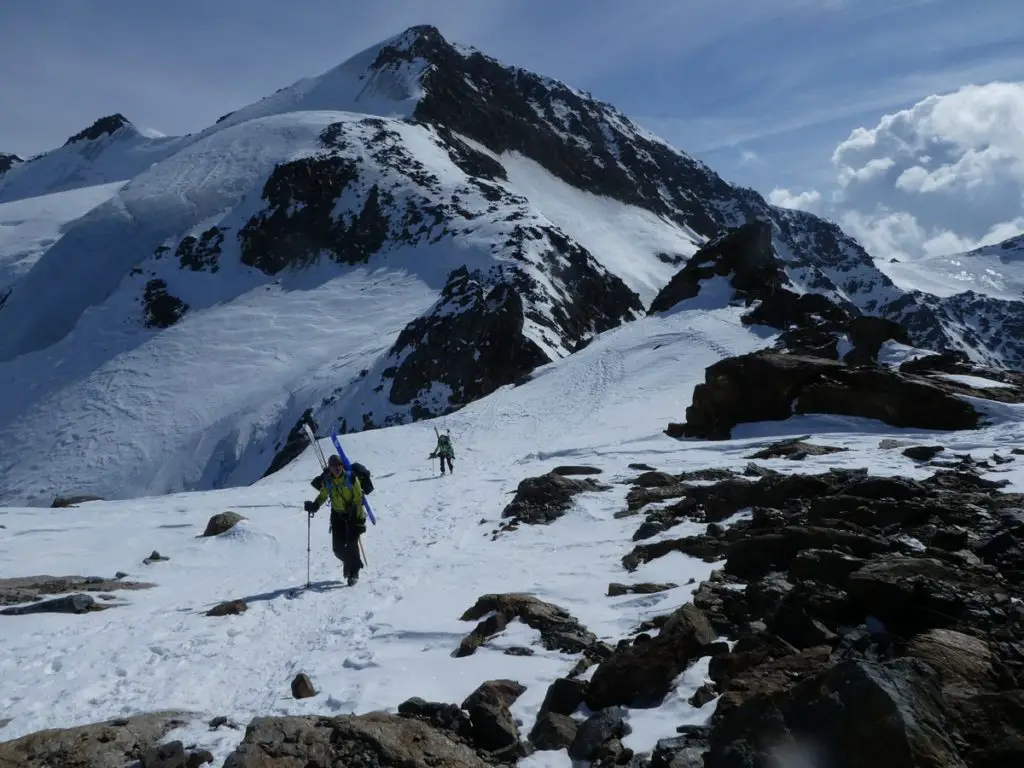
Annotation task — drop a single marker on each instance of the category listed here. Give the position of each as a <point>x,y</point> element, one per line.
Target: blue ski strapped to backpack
<point>348,468</point>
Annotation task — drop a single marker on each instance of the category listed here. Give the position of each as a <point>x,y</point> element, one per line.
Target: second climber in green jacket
<point>348,517</point>
<point>444,450</point>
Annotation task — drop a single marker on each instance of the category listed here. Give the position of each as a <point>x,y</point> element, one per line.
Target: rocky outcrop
<point>544,499</point>
<point>110,744</point>
<point>859,605</point>
<point>294,444</point>
<point>105,126</point>
<point>374,739</point>
<point>470,343</point>
<point>31,589</point>
<point>768,386</point>
<point>744,255</point>
<point>201,254</point>
<point>161,309</point>
<point>559,630</point>
<point>8,161</point>
<point>811,323</point>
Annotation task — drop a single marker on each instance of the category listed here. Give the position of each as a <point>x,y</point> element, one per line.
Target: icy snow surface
<point>28,227</point>
<point>391,636</point>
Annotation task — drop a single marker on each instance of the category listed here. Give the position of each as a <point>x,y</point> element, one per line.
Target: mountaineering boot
<point>352,580</point>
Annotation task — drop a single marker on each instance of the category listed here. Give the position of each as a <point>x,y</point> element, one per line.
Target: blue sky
<point>762,90</point>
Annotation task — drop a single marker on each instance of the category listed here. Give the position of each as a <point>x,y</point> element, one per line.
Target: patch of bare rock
<point>109,744</point>
<point>67,594</point>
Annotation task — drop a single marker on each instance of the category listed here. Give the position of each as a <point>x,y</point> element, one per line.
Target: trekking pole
<point>309,527</point>
<point>362,551</point>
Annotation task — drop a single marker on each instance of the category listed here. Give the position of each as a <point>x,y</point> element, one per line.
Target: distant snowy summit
<point>390,240</point>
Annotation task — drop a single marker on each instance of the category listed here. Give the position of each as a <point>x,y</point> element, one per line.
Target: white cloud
<point>943,176</point>
<point>809,200</point>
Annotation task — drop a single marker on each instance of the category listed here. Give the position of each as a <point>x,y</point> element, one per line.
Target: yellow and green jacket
<point>344,497</point>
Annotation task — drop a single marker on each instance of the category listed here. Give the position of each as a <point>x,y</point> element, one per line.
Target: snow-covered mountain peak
<point>384,80</point>
<point>8,161</point>
<point>110,125</point>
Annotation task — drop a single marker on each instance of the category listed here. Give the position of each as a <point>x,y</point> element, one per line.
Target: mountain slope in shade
<point>470,222</point>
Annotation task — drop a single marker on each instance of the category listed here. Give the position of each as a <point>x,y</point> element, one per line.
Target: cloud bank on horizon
<point>943,176</point>
<point>763,90</point>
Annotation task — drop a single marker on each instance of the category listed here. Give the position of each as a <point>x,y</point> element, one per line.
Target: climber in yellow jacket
<point>348,517</point>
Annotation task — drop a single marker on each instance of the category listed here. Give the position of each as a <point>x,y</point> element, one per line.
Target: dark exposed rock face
<point>471,341</point>
<point>295,443</point>
<point>161,309</point>
<point>201,254</point>
<point>105,126</point>
<point>767,386</point>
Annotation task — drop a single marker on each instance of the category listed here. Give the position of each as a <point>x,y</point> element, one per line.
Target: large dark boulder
<point>642,673</point>
<point>768,386</point>
<point>373,739</point>
<point>853,715</point>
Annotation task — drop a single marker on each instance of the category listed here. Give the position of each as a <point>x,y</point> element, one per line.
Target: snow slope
<point>994,270</point>
<point>429,558</point>
<point>29,227</point>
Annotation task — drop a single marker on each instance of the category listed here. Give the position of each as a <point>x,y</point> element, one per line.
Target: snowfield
<point>430,557</point>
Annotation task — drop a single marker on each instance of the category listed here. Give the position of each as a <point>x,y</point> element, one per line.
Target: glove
<point>310,507</point>
<point>360,528</point>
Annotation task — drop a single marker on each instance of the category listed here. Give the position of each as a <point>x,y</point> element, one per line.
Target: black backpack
<point>365,482</point>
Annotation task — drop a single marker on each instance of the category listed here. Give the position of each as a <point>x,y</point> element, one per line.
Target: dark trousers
<point>443,459</point>
<point>345,542</point>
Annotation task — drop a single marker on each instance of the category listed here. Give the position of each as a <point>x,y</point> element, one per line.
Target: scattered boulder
<point>108,744</point>
<point>769,386</point>
<point>559,631</point>
<point>923,452</point>
<point>228,608</point>
<point>154,557</point>
<point>373,739</point>
<point>617,590</point>
<point>302,687</point>
<point>795,449</point>
<point>544,499</point>
<point>494,729</point>
<point>597,731</point>
<point>222,523</point>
